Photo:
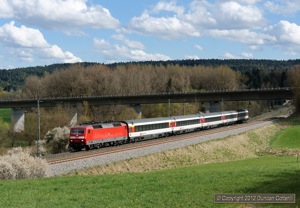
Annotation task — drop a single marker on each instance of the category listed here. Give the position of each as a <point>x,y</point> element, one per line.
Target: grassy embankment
<point>192,175</point>
<point>5,114</point>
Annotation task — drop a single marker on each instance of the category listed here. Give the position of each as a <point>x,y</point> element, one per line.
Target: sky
<point>44,32</point>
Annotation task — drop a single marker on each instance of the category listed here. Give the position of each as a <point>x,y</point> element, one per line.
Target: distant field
<point>5,114</point>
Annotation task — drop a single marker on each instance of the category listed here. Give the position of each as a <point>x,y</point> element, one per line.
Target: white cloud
<point>134,44</point>
<point>200,15</point>
<point>170,26</point>
<point>285,32</point>
<point>55,52</point>
<point>285,7</point>
<point>165,27</point>
<point>235,20</point>
<point>243,1</point>
<point>5,10</point>
<point>287,36</point>
<point>228,55</point>
<point>192,57</point>
<point>129,43</point>
<point>243,55</point>
<point>29,45</point>
<point>117,52</point>
<point>244,36</point>
<point>199,47</point>
<point>239,14</point>
<point>233,15</point>
<point>23,36</point>
<point>199,18</point>
<point>64,15</point>
<point>168,6</point>
<point>247,55</point>
<point>255,47</point>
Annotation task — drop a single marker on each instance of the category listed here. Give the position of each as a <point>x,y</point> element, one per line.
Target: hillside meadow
<point>187,177</point>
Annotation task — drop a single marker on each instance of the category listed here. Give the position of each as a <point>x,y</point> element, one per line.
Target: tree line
<point>130,79</point>
<point>95,80</point>
<point>13,79</point>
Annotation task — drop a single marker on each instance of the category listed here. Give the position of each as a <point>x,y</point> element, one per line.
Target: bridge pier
<point>138,109</point>
<point>18,119</point>
<point>74,119</point>
<point>211,107</point>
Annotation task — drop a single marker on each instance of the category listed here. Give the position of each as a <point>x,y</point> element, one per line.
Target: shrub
<point>57,140</point>
<point>19,164</point>
<point>6,170</point>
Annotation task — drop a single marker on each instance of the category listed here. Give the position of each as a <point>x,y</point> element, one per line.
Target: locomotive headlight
<point>82,140</point>
<point>71,140</point>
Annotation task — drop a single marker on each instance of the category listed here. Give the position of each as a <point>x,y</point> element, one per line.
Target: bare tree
<point>294,81</point>
<point>33,87</point>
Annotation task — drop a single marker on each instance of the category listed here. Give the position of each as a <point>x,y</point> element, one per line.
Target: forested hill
<point>235,64</point>
<point>13,79</point>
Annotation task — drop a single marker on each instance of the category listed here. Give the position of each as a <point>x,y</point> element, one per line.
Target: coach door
<point>172,125</point>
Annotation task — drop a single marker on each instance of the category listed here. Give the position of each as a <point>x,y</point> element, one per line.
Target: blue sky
<point>43,32</point>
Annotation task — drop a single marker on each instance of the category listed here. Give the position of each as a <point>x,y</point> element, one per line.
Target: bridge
<point>211,100</point>
<point>176,97</point>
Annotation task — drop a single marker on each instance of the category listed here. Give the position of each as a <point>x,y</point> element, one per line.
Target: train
<point>98,134</point>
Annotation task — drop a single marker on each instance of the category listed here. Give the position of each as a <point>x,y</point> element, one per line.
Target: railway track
<point>73,156</point>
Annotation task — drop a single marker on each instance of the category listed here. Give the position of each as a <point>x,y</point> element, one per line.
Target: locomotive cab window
<point>77,131</point>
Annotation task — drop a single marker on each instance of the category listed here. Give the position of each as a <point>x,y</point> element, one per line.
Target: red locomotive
<point>96,135</point>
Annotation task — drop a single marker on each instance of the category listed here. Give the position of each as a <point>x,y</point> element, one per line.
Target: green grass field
<point>5,115</point>
<point>288,138</point>
<point>193,186</point>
